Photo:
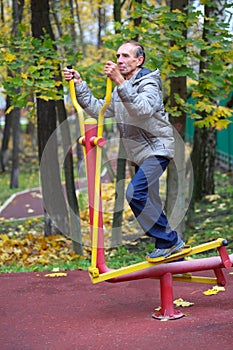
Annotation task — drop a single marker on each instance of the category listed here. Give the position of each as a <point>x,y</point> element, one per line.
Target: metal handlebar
<point>76,105</point>
<point>98,159</point>
<point>104,107</point>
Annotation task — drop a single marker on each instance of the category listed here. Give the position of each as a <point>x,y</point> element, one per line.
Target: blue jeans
<point>143,197</point>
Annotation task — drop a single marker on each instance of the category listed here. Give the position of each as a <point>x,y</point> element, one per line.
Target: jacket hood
<point>149,74</point>
<point>143,71</point>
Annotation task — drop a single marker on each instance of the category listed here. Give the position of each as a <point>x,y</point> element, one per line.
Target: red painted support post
<point>167,310</point>
<point>224,257</point>
<point>88,141</point>
<point>221,280</point>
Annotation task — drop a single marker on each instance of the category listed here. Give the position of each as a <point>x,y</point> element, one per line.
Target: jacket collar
<point>139,74</point>
<point>143,71</point>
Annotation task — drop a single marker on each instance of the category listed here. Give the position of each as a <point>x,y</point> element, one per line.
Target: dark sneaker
<point>158,253</point>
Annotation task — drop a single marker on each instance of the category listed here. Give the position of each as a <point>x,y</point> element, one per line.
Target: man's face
<point>127,61</point>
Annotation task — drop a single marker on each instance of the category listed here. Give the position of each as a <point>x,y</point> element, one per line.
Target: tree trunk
<point>2,12</point>
<point>101,24</point>
<point>72,26</point>
<point>117,12</point>
<point>6,136</point>
<point>81,40</point>
<point>75,227</point>
<point>14,183</point>
<point>52,191</point>
<point>138,20</point>
<point>204,143</point>
<point>72,214</point>
<point>177,170</point>
<point>203,159</point>
<point>56,214</point>
<point>54,11</point>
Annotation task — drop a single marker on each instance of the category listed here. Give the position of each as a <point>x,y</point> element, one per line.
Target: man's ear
<point>140,60</point>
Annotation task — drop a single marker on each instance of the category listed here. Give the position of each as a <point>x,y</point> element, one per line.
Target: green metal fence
<point>224,148</point>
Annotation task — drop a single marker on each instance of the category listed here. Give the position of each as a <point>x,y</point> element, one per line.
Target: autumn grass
<point>214,214</point>
<point>24,248</point>
<point>212,219</point>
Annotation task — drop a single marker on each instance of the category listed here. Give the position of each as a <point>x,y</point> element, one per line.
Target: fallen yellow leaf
<point>183,303</point>
<point>214,290</point>
<point>219,289</point>
<point>210,292</point>
<point>56,274</point>
<point>158,308</point>
<point>4,237</point>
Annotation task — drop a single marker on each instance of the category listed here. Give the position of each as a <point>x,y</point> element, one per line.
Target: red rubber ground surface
<point>69,313</point>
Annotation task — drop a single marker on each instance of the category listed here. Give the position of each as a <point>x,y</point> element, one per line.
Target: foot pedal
<point>177,255</point>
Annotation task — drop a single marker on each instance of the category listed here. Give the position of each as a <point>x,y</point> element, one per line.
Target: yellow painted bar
<point>206,246</point>
<point>104,107</point>
<point>145,265</point>
<point>132,268</point>
<point>197,279</point>
<point>79,110</point>
<point>80,118</point>
<point>120,272</point>
<point>98,175</point>
<point>95,216</point>
<point>77,107</point>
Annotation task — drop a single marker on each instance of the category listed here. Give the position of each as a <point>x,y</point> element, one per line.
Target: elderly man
<point>137,105</point>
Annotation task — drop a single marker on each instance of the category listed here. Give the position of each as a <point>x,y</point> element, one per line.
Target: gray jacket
<point>137,106</point>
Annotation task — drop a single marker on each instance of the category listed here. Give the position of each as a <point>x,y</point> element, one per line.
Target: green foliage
<point>92,69</point>
<point>162,32</point>
<point>33,66</point>
<point>24,248</point>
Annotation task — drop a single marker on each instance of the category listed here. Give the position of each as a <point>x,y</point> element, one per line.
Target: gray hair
<point>139,49</point>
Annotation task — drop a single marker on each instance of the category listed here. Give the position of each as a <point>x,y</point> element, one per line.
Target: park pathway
<point>39,312</point>
<point>69,313</point>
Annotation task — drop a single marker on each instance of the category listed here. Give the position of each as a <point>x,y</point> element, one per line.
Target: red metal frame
<point>88,142</point>
<point>163,271</point>
<point>167,310</point>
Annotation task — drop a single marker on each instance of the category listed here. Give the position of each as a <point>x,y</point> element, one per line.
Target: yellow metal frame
<point>188,277</point>
<point>145,264</point>
<point>77,107</point>
<point>93,270</point>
